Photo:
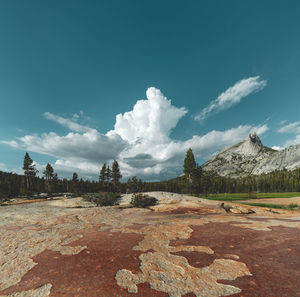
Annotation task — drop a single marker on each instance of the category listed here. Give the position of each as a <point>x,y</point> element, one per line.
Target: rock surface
<point>251,157</point>
<point>43,291</point>
<point>51,249</point>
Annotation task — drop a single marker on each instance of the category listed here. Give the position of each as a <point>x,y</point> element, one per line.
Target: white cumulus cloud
<point>140,141</point>
<point>90,146</point>
<point>151,119</point>
<point>277,148</point>
<point>232,96</point>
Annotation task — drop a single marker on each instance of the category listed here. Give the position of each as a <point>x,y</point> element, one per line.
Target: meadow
<point>245,196</point>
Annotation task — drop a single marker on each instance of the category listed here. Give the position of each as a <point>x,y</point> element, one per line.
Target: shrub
<point>141,200</point>
<point>292,206</point>
<point>103,198</point>
<point>88,197</point>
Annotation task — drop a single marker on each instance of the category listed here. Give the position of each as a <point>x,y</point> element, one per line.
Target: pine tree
<point>75,183</point>
<point>49,172</point>
<point>133,185</point>
<point>55,183</point>
<point>75,177</point>
<point>108,174</point>
<point>22,190</point>
<point>189,164</point>
<point>29,172</point>
<point>116,174</point>
<point>49,176</point>
<point>197,178</point>
<point>102,176</point>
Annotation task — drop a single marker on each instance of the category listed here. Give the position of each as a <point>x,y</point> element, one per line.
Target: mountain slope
<point>252,157</point>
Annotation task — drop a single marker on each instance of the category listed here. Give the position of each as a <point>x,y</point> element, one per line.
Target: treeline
<point>14,185</point>
<point>211,183</point>
<point>194,181</point>
<point>198,181</point>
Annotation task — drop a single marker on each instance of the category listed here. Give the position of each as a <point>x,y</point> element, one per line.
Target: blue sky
<point>68,68</point>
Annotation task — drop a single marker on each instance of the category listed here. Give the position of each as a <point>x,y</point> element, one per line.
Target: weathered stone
<point>43,291</point>
<point>27,231</point>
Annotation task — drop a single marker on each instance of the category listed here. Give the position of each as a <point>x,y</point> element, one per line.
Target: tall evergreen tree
<point>75,183</point>
<point>108,174</point>
<point>50,178</point>
<point>116,173</point>
<point>29,172</point>
<point>197,178</point>
<point>75,177</point>
<point>102,176</point>
<point>189,164</point>
<point>22,190</point>
<point>133,185</point>
<point>49,172</point>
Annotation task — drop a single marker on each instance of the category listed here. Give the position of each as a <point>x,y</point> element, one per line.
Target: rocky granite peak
<point>250,146</point>
<point>254,139</point>
<point>252,157</point>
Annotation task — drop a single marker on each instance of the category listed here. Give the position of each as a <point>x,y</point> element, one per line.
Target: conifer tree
<point>75,183</point>
<point>22,190</point>
<point>116,174</point>
<point>49,172</point>
<point>102,176</point>
<point>75,177</point>
<point>189,164</point>
<point>133,185</point>
<point>29,172</point>
<point>108,174</point>
<point>55,182</point>
<point>49,176</point>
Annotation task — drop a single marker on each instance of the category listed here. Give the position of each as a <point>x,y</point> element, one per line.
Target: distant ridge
<point>252,157</point>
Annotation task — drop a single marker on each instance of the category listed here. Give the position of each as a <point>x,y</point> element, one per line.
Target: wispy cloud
<point>70,124</point>
<point>232,96</point>
<point>290,128</point>
<point>260,129</point>
<point>294,141</point>
<point>140,141</point>
<point>282,122</point>
<point>3,166</point>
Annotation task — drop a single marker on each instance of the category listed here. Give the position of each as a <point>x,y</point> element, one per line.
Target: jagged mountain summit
<point>252,157</point>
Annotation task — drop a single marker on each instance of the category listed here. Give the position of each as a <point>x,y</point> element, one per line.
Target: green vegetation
<point>109,179</point>
<point>141,200</point>
<point>115,173</point>
<point>291,206</point>
<point>102,176</point>
<point>245,196</point>
<point>277,195</point>
<point>103,199</point>
<point>30,173</point>
<point>50,179</point>
<point>209,184</point>
<point>189,165</point>
<point>226,197</point>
